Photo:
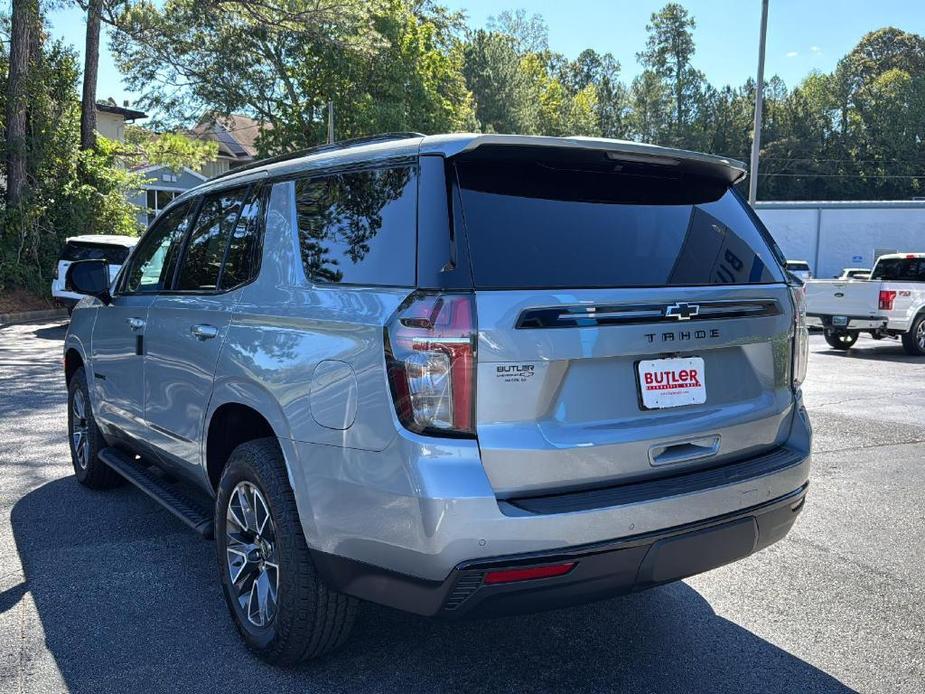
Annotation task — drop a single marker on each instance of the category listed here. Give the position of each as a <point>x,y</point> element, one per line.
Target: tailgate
<point>559,399</point>
<point>594,274</point>
<point>858,298</point>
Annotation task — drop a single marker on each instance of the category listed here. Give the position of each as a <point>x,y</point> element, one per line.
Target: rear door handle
<point>136,323</point>
<point>204,331</point>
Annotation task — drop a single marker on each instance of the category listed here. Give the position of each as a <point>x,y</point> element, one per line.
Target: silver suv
<point>456,375</point>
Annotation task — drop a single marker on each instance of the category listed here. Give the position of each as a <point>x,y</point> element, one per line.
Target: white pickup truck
<point>890,304</point>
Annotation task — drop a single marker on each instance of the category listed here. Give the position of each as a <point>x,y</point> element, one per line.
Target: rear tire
<point>301,618</point>
<point>914,340</point>
<point>842,341</point>
<point>85,438</point>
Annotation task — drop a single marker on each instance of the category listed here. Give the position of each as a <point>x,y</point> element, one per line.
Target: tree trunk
<point>24,35</point>
<point>91,68</point>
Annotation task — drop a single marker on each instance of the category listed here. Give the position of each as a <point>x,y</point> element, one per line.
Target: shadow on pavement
<point>890,351</point>
<point>129,601</point>
<point>54,332</point>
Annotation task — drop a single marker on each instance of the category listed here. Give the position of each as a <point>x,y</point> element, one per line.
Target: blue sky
<point>802,34</point>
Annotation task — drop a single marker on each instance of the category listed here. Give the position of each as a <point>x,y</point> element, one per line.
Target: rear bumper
<point>828,322</point>
<point>599,571</point>
<point>424,507</point>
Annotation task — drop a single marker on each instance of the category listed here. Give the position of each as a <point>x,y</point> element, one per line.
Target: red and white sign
<point>672,382</point>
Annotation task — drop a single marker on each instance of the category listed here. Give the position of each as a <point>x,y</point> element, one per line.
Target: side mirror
<point>90,277</point>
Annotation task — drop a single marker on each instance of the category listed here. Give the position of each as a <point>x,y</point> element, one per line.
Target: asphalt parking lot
<point>105,591</point>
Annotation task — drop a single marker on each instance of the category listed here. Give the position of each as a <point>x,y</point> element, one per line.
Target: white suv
<point>111,248</point>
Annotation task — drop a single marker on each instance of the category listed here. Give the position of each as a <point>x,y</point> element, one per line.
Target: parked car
<point>456,375</point>
<point>854,273</point>
<point>111,248</point>
<point>890,304</point>
<point>800,268</point>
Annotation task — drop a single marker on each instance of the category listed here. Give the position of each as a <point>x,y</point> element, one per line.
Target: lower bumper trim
<point>601,570</point>
<point>818,320</point>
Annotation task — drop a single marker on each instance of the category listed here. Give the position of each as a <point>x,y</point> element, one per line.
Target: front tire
<point>279,604</point>
<point>85,438</point>
<point>842,341</point>
<point>914,340</point>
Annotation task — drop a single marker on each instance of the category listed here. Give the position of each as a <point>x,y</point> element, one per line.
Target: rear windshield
<point>112,254</point>
<point>900,269</point>
<point>798,266</point>
<point>559,224</point>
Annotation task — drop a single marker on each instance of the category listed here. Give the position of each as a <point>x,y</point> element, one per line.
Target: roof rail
<point>328,147</point>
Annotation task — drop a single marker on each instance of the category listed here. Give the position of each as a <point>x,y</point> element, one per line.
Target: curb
<point>32,316</point>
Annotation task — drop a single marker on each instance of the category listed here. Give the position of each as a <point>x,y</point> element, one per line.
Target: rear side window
<point>241,258</point>
<point>359,227</point>
<point>79,250</point>
<point>205,250</point>
<point>900,270</point>
<point>533,223</point>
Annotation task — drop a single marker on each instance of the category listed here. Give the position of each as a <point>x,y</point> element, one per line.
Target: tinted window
<point>900,270</point>
<point>802,267</point>
<point>594,223</point>
<point>78,250</point>
<point>205,250</point>
<point>241,258</point>
<point>155,257</point>
<point>359,228</point>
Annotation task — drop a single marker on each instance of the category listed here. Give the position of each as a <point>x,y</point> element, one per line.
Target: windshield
<point>555,224</point>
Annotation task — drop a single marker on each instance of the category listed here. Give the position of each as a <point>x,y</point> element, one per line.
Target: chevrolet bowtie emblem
<point>682,311</point>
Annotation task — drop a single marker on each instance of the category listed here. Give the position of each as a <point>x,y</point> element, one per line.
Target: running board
<point>166,494</point>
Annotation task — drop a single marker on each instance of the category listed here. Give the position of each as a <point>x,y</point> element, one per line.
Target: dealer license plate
<point>672,382</point>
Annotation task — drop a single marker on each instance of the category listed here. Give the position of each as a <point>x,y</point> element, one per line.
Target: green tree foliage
<point>668,53</point>
<point>520,86</point>
<point>602,73</point>
<point>386,65</point>
<point>173,150</point>
<point>856,132</point>
<point>70,191</point>
<point>492,69</point>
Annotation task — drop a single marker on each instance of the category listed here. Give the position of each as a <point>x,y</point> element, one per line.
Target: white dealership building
<point>835,235</point>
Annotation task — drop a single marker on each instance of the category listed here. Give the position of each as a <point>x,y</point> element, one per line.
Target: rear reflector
<point>528,574</point>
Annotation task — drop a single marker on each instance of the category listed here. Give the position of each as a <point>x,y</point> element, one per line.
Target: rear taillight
<point>430,358</point>
<point>886,300</point>
<point>800,335</point>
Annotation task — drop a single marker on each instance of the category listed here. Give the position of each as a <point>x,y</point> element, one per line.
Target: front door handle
<point>204,331</point>
<point>136,323</point>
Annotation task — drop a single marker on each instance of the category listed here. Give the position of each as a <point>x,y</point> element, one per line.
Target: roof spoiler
<point>729,170</point>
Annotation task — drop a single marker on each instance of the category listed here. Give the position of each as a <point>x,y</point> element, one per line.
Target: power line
<point>815,175</point>
<point>848,161</point>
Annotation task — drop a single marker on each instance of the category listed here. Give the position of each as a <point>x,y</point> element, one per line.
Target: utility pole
<point>330,122</point>
<point>759,105</point>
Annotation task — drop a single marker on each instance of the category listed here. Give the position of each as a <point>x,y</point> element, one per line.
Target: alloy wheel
<point>920,335</point>
<point>250,554</point>
<point>80,428</point>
